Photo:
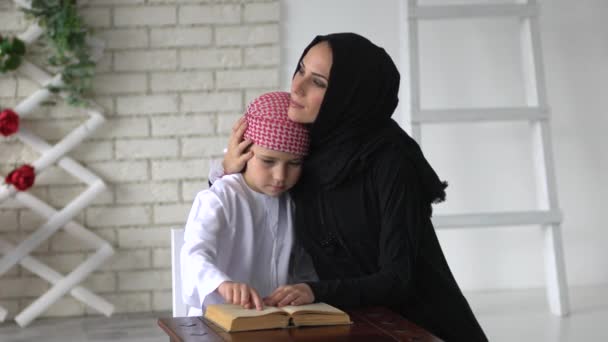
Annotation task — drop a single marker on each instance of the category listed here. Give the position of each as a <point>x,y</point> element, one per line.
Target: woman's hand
<point>236,157</point>
<point>240,294</point>
<point>298,294</point>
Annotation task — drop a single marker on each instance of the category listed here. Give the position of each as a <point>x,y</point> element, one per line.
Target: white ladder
<point>548,215</point>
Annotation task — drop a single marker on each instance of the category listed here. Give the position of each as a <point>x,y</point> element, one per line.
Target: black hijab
<point>354,120</point>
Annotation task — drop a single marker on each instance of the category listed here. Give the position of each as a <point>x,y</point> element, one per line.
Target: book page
<point>321,308</point>
<point>233,310</point>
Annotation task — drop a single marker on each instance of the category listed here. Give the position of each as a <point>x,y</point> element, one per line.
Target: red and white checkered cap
<point>269,126</point>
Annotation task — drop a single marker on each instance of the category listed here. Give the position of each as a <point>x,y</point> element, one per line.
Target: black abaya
<point>363,204</point>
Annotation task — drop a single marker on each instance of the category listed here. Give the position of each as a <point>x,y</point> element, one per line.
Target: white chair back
<point>180,309</point>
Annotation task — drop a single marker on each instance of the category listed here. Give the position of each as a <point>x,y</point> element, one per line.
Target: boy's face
<point>272,172</point>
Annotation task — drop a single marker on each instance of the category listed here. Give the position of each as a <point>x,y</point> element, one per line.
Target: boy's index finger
<point>257,301</point>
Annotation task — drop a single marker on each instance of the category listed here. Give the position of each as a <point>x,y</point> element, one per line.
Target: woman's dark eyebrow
<point>302,66</point>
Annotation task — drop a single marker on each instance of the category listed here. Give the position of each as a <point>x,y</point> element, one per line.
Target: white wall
<point>303,20</point>
<point>476,63</point>
<point>174,78</point>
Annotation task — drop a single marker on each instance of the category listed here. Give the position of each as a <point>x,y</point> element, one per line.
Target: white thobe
<point>235,234</point>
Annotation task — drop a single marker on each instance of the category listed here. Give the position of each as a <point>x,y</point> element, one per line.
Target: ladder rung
<point>480,114</point>
<point>473,11</point>
<point>516,218</point>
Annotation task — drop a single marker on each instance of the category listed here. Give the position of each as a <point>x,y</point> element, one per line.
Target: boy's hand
<point>236,157</point>
<point>298,294</point>
<point>240,294</point>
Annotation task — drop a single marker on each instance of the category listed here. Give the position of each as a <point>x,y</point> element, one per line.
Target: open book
<point>231,317</point>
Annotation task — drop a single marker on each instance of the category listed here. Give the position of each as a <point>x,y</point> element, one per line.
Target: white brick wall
<point>131,259</point>
<point>161,258</point>
<point>144,237</point>
<point>181,81</point>
<point>7,86</point>
<point>207,146</point>
<point>140,301</point>
<point>145,60</point>
<point>191,188</point>
<point>210,14</point>
<point>150,192</point>
<point>210,102</point>
<point>263,78</point>
<point>125,38</point>
<point>262,12</point>
<point>262,56</point>
<point>120,83</point>
<point>66,306</point>
<point>247,35</point>
<point>93,151</point>
<point>174,37</point>
<point>11,21</point>
<point>183,125</point>
<point>146,104</point>
<point>97,17</point>
<point>8,221</point>
<point>211,58</point>
<point>171,213</point>
<point>179,169</point>
<point>145,16</point>
<point>175,76</point>
<point>144,280</point>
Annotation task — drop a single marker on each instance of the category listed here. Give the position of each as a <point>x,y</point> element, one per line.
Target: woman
<point>363,203</point>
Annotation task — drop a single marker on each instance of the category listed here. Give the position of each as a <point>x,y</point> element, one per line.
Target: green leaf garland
<point>66,36</point>
<point>11,53</point>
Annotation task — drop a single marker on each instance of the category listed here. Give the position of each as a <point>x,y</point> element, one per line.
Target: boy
<point>239,233</point>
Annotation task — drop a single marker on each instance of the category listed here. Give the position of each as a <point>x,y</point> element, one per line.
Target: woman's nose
<point>296,85</point>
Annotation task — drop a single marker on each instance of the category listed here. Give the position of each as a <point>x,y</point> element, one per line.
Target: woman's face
<point>309,84</point>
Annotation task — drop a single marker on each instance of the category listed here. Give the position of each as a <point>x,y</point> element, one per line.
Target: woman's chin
<point>297,116</point>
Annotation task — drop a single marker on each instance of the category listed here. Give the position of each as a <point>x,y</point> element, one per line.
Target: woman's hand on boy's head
<point>240,294</point>
<point>298,294</point>
<point>236,157</point>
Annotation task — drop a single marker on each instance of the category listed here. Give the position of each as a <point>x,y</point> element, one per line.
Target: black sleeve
<point>301,268</point>
<point>402,215</point>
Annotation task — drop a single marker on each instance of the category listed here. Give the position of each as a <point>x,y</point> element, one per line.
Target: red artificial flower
<point>21,178</point>
<point>9,122</point>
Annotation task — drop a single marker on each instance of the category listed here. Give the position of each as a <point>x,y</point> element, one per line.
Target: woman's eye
<point>320,83</point>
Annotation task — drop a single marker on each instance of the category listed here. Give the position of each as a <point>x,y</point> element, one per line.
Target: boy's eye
<point>267,161</point>
<point>295,163</point>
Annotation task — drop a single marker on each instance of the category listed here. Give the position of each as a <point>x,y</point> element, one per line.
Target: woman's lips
<point>294,104</point>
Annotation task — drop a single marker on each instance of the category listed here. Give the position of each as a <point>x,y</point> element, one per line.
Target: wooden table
<point>373,324</point>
